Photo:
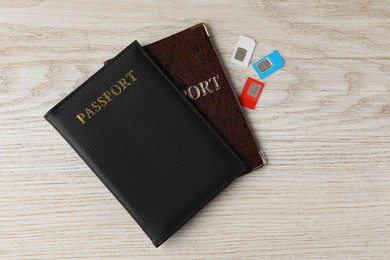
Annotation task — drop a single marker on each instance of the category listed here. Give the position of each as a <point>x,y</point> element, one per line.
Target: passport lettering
<point>106,97</point>
<point>202,88</point>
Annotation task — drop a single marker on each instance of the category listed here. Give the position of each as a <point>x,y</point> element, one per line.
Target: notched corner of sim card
<point>249,40</point>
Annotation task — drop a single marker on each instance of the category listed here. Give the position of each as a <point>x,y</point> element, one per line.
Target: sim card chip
<point>253,90</point>
<point>264,65</point>
<point>240,54</point>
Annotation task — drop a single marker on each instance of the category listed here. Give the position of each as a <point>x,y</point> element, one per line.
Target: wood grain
<point>323,121</point>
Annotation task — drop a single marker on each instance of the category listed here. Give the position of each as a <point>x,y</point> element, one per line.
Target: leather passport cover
<point>146,142</point>
<point>191,61</point>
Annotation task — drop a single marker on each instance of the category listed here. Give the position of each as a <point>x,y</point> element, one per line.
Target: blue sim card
<point>267,65</point>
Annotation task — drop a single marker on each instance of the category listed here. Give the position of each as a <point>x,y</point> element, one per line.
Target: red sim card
<point>251,93</point>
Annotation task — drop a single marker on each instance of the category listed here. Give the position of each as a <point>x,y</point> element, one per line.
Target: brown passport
<point>191,61</point>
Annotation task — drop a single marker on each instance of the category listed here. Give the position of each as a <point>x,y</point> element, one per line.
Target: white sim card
<point>243,52</point>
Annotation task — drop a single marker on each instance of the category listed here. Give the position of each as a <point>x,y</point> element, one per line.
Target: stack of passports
<point>162,140</point>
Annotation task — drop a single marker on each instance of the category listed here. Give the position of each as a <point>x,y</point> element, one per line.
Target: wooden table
<point>323,121</point>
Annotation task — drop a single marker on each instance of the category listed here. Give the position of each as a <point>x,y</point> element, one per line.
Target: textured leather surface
<point>152,149</point>
<point>189,58</point>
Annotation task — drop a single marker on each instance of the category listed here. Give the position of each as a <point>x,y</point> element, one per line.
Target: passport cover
<point>191,61</point>
<point>146,142</point>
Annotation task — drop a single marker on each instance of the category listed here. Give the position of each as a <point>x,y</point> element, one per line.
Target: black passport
<point>146,142</point>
